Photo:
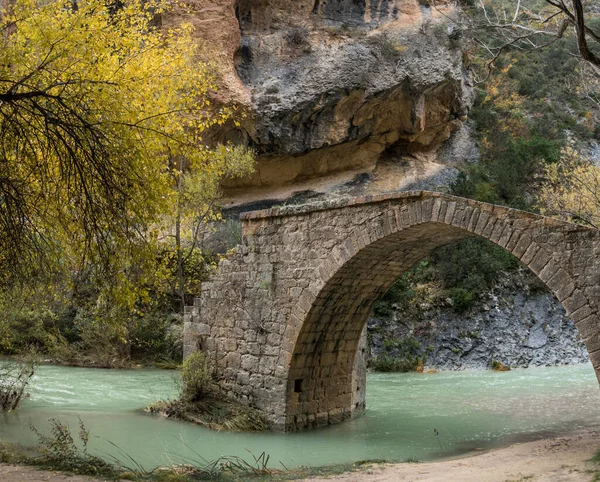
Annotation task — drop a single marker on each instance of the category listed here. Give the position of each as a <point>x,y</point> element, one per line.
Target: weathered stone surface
<point>335,86</point>
<point>304,281</point>
<point>516,323</point>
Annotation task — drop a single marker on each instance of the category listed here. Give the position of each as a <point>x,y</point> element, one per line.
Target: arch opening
<point>325,353</point>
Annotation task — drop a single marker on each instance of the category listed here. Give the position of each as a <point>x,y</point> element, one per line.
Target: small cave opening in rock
<point>395,151</point>
<point>315,8</point>
<point>242,58</point>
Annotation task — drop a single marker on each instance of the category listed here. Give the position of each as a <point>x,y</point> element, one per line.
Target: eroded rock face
<point>332,85</point>
<point>336,93</point>
<point>518,323</point>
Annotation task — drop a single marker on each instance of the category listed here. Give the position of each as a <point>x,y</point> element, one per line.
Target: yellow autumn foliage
<point>571,190</point>
<point>95,104</point>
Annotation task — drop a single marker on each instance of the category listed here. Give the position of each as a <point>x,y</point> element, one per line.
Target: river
<point>410,416</point>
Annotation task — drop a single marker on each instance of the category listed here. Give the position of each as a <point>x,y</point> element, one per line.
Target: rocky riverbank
<point>517,323</point>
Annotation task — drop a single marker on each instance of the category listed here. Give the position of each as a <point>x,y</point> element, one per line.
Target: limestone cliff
<point>335,85</point>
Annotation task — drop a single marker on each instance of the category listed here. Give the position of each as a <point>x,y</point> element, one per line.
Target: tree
<point>499,26</point>
<point>95,101</point>
<point>198,191</point>
<point>572,189</point>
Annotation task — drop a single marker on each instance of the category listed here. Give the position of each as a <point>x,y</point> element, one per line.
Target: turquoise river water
<point>409,416</point>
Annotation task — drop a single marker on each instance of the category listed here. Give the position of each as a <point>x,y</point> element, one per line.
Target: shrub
<point>23,328</point>
<point>60,450</point>
<point>196,377</point>
<point>499,367</point>
<point>384,362</point>
<point>14,378</point>
<point>400,355</point>
<point>462,299</point>
<point>471,264</point>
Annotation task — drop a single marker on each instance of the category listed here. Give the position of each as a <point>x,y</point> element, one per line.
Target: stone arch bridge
<point>282,317</point>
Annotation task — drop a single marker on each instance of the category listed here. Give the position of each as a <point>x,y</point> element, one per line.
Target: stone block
<point>529,254</point>
<point>588,326</point>
<point>474,220</point>
<point>497,232</point>
<point>481,223</point>
<point>522,245</point>
<point>435,210</point>
<point>249,363</point>
<point>574,302</point>
<point>549,271</point>
<point>581,313</point>
<point>592,342</point>
<point>489,227</point>
<point>561,284</point>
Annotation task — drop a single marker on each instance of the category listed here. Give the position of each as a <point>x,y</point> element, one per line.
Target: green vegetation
<point>400,355</point>
<point>200,401</point>
<point>196,377</point>
<point>77,320</point>
<point>458,272</point>
<point>59,451</point>
<point>499,367</point>
<point>532,102</point>
<point>596,461</point>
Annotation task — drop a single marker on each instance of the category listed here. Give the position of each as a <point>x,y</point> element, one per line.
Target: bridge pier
<point>281,319</point>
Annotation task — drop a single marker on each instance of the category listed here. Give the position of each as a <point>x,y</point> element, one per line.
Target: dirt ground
<point>558,459</point>
<point>19,473</point>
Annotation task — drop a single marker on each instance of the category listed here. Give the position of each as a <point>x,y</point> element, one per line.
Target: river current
<point>409,416</point>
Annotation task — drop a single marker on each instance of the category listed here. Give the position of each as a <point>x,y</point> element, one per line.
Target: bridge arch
<point>323,381</point>
<point>327,264</point>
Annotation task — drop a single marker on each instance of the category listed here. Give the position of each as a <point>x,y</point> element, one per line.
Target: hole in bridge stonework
<point>298,385</point>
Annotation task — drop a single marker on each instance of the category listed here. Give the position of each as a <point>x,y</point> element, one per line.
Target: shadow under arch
<point>326,323</point>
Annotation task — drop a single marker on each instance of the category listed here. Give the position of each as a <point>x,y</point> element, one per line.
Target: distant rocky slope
<point>518,323</point>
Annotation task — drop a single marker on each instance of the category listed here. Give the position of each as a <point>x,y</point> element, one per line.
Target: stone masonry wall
<point>282,318</point>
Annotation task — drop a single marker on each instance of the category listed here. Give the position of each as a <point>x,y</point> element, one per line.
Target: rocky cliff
<point>346,97</point>
<point>333,86</point>
<point>518,323</point>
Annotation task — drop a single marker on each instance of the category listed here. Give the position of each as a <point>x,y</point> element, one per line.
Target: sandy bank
<point>557,459</point>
